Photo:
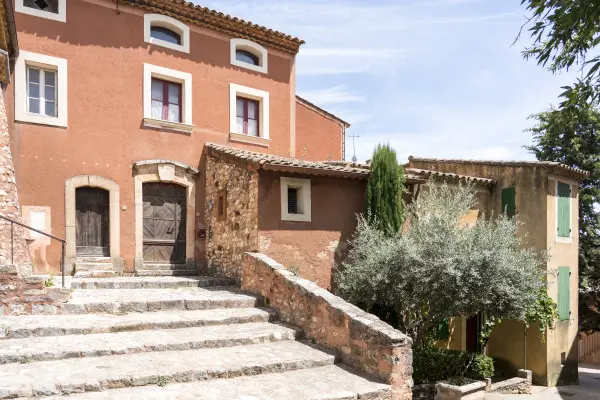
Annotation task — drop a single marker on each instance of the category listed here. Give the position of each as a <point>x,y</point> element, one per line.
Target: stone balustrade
<point>358,338</point>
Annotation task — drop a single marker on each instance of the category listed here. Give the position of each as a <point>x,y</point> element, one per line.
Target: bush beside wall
<point>432,364</point>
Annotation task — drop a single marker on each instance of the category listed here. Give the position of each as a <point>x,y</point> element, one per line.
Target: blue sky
<point>434,78</point>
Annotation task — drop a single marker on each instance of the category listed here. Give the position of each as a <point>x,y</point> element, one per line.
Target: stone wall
<point>27,294</point>
<point>360,339</point>
<point>9,202</point>
<point>236,232</point>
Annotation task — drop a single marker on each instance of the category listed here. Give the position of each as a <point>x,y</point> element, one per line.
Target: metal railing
<point>12,243</point>
<point>589,345</point>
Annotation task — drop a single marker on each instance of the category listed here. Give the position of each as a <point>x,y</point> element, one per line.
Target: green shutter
<point>564,293</point>
<point>508,201</point>
<point>442,332</point>
<point>563,228</point>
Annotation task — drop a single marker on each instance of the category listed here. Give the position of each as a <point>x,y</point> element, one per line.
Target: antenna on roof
<point>354,159</point>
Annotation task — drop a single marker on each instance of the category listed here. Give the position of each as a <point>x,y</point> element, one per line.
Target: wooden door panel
<point>92,221</point>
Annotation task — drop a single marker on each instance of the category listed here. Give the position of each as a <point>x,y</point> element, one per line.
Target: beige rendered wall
<point>106,52</point>
<point>315,247</point>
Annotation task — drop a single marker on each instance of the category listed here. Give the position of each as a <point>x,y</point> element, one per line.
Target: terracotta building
<point>109,110</point>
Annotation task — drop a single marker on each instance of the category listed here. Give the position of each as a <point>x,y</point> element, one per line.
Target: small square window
<point>50,9</point>
<point>295,199</point>
<point>42,5</point>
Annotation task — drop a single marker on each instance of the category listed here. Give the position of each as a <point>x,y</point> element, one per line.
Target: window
<point>168,32</point>
<point>50,9</point>
<point>247,116</point>
<point>508,201</point>
<point>563,210</point>
<point>222,204</point>
<point>246,57</point>
<point>41,89</point>
<point>564,293</point>
<point>161,33</point>
<point>166,100</point>
<point>295,199</point>
<point>249,55</point>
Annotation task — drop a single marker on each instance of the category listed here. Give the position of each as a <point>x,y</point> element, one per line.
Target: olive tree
<point>440,267</point>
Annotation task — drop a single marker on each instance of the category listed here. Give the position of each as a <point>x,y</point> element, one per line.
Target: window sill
<point>566,240</point>
<point>259,141</point>
<point>41,120</point>
<point>296,218</point>
<point>172,126</point>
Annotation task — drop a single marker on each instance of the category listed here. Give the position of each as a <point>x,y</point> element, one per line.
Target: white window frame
<point>42,61</point>
<point>176,26</point>
<point>304,199</point>
<point>171,75</point>
<point>251,47</point>
<point>60,17</point>
<point>561,239</point>
<point>263,109</point>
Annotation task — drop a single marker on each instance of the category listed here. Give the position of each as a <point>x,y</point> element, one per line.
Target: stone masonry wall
<point>228,237</point>
<point>360,339</point>
<point>9,202</point>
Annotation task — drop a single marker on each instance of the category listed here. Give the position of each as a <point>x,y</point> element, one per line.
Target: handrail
<point>12,245</point>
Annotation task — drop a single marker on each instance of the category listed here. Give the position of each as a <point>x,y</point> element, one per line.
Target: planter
<point>448,391</point>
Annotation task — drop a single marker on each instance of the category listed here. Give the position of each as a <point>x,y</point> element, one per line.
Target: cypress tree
<point>384,206</point>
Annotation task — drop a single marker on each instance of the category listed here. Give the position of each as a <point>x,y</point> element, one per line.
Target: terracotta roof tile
<point>425,174</point>
<point>292,165</point>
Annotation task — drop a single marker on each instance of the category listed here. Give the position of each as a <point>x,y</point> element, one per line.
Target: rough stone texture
<point>42,326</point>
<point>323,383</point>
<point>237,232</point>
<point>103,344</point>
<point>26,294</point>
<point>425,391</point>
<point>446,391</point>
<point>360,339</point>
<point>512,386</point>
<point>9,201</point>
<point>110,372</point>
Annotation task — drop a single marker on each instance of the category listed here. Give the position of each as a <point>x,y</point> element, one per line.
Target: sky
<point>433,78</point>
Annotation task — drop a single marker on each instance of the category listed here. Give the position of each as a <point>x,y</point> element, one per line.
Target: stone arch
<point>112,187</point>
<point>168,172</point>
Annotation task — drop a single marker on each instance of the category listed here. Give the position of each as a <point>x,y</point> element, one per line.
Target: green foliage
<point>544,312</point>
<point>384,190</point>
<point>572,136</point>
<point>563,32</point>
<point>162,381</point>
<point>441,268</point>
<point>432,364</point>
<point>294,269</point>
<point>50,281</point>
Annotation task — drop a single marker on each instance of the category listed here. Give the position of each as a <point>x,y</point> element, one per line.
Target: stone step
<point>166,267</point>
<point>74,375</point>
<point>95,274</point>
<point>160,282</point>
<point>330,382</point>
<point>28,326</point>
<point>121,301</point>
<point>166,272</point>
<point>80,266</point>
<point>92,259</point>
<point>104,344</point>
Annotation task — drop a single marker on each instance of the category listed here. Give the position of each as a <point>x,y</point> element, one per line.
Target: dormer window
<point>249,55</point>
<point>164,31</point>
<point>165,34</point>
<point>246,57</point>
<point>49,9</point>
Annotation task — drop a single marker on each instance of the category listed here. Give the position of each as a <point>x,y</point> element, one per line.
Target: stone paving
<point>187,340</point>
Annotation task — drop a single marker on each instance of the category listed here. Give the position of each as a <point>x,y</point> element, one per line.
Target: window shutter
<point>508,201</point>
<point>563,225</point>
<point>564,278</point>
<point>442,332</point>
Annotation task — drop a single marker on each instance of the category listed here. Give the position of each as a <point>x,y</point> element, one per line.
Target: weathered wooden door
<point>92,206</point>
<point>164,223</point>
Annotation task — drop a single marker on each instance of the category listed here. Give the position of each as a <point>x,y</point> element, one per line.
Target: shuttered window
<point>564,294</point>
<point>508,201</point>
<point>442,331</point>
<point>563,225</point>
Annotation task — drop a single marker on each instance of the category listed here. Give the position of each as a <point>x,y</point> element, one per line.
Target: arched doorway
<point>164,222</point>
<point>92,231</point>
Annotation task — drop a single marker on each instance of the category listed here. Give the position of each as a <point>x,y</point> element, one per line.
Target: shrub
<point>431,364</point>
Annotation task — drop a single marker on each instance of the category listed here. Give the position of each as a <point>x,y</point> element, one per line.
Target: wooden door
<point>164,223</point>
<point>92,217</point>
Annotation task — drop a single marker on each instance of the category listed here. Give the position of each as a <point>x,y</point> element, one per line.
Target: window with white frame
<point>167,98</point>
<point>50,9</point>
<point>168,32</point>
<point>41,89</point>
<point>249,112</point>
<point>249,55</point>
<point>295,199</point>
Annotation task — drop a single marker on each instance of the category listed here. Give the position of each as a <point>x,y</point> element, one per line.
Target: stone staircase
<point>155,269</point>
<point>168,338</point>
<point>94,267</point>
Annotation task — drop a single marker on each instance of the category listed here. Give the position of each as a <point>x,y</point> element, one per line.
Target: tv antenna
<point>354,159</point>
